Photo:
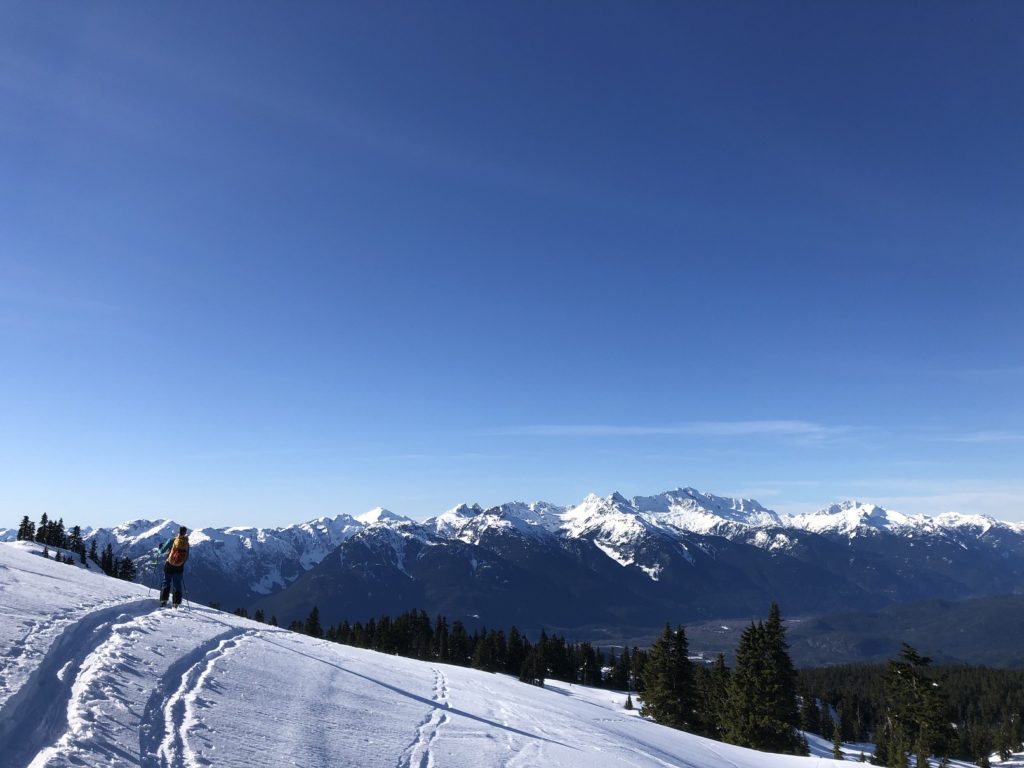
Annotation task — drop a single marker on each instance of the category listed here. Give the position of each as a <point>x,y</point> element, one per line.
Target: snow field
<point>94,674</point>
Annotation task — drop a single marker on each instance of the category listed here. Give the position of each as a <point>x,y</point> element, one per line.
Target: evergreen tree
<point>75,543</point>
<point>517,650</point>
<point>837,743</point>
<point>534,670</point>
<point>57,536</point>
<point>810,715</point>
<point>92,551</point>
<point>629,701</point>
<point>273,620</point>
<point>107,559</point>
<point>781,680</point>
<point>621,671</point>
<point>762,712</point>
<point>441,638</point>
<point>712,692</point>
<point>43,529</point>
<point>914,712</point>
<point>126,569</point>
<point>312,626</point>
<point>46,552</point>
<point>26,530</point>
<point>258,616</point>
<point>1005,741</point>
<point>458,645</point>
<point>668,680</point>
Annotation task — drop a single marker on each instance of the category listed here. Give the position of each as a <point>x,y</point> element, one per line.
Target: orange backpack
<point>179,551</point>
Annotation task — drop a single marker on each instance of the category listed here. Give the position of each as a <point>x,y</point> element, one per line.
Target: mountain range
<point>605,568</point>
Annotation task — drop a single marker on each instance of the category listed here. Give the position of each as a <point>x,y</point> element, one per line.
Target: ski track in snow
<point>171,713</point>
<point>127,685</point>
<point>36,717</point>
<point>419,753</point>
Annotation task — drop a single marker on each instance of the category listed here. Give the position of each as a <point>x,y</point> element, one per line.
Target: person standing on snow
<point>176,550</point>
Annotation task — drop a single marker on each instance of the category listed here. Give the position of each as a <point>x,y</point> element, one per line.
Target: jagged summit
<point>470,523</point>
<point>380,515</point>
<point>856,518</point>
<point>666,537</point>
<point>692,510</point>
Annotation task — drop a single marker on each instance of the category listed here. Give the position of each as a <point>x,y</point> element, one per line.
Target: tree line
<point>909,707</point>
<point>54,534</point>
<point>415,635</point>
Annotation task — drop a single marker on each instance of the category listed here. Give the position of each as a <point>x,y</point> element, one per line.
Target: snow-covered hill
<point>92,673</point>
<point>233,565</point>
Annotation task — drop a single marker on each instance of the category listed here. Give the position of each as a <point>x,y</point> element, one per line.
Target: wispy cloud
<point>777,427</point>
<point>428,457</point>
<point>251,454</point>
<point>990,436</point>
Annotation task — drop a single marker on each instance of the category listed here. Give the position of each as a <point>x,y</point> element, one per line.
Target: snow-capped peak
<point>380,515</point>
<point>470,523</point>
<point>687,509</point>
<point>850,517</point>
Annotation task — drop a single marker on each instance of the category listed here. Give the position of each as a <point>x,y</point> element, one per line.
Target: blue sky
<point>260,263</point>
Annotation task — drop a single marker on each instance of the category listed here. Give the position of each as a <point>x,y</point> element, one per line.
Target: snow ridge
<point>269,559</point>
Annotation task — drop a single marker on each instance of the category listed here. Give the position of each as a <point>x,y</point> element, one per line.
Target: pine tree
<point>273,620</point>
<point>762,712</point>
<point>711,690</point>
<point>26,530</point>
<point>57,536</point>
<point>629,701</point>
<point>915,719</point>
<point>810,715</point>
<point>92,551</point>
<point>534,669</point>
<point>458,644</point>
<point>517,650</point>
<point>258,616</point>
<point>668,680</point>
<point>837,743</point>
<point>441,638</point>
<point>107,559</point>
<point>46,552</point>
<point>75,543</point>
<point>781,682</point>
<point>43,529</point>
<point>312,626</point>
<point>126,569</point>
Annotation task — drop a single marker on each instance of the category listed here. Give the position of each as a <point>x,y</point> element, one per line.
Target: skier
<point>176,550</point>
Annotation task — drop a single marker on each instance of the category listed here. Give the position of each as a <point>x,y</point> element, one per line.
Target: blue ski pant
<point>172,584</point>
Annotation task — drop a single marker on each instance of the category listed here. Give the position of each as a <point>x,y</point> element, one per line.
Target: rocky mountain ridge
<point>606,563</point>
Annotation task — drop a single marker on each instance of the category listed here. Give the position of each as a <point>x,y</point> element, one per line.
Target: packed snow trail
<point>95,676</point>
<point>37,714</point>
<point>162,731</point>
<point>418,754</point>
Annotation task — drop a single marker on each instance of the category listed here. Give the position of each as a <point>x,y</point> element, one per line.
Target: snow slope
<point>91,674</point>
